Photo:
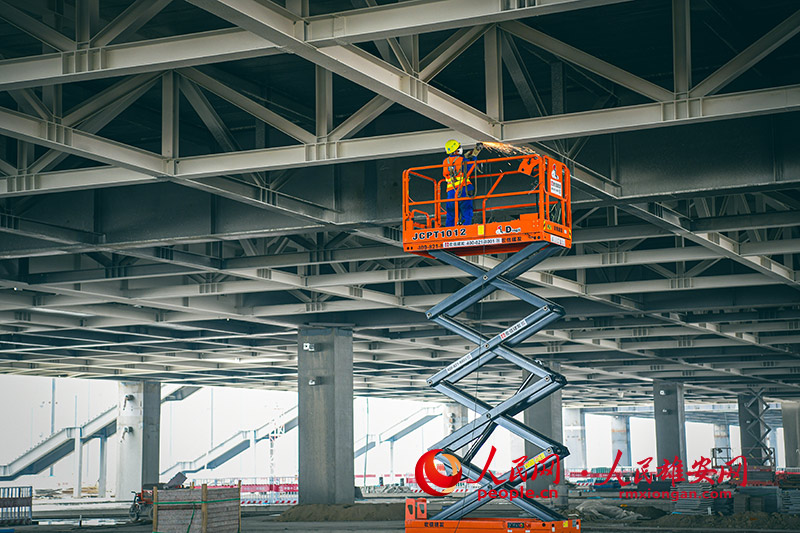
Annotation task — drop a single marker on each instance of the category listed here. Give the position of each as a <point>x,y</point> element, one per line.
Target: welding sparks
<point>507,149</point>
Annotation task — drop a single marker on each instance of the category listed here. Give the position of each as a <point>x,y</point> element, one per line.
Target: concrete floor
<point>263,524</point>
<point>250,524</point>
<point>107,517</point>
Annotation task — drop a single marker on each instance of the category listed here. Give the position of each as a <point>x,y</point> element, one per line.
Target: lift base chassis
<point>491,525</point>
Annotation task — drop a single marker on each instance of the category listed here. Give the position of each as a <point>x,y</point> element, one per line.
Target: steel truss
<point>753,423</point>
<point>539,383</point>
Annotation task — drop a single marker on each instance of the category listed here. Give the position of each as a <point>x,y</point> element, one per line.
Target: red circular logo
<point>427,468</point>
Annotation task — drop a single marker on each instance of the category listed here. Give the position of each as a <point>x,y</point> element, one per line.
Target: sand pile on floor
<point>750,520</point>
<point>359,512</point>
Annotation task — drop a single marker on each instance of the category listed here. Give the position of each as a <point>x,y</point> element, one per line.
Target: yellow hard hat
<point>451,146</point>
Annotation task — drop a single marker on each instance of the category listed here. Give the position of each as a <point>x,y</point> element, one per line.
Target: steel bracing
<point>537,383</point>
<point>184,184</point>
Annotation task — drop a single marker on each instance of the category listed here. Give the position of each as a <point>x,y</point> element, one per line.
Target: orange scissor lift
<point>522,205</point>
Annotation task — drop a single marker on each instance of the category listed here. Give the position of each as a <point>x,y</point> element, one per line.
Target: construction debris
<point>749,520</point>
<point>692,505</point>
<point>790,501</point>
<point>597,510</point>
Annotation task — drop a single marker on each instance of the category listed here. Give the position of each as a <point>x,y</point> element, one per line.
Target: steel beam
<point>394,20</point>
<point>681,47</point>
<point>73,141</point>
<point>248,105</point>
<point>748,57</point>
<point>70,180</point>
<point>133,58</point>
<point>587,61</point>
<point>518,131</point>
<point>645,116</point>
<point>170,115</point>
<point>493,72</point>
<point>129,21</point>
<point>521,78</point>
<point>279,26</point>
<point>661,216</point>
<point>35,28</point>
<point>92,116</point>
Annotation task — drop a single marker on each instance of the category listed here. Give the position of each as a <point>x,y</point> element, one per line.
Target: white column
<point>575,438</point>
<point>103,476</point>
<point>76,436</point>
<point>621,439</point>
<point>138,428</point>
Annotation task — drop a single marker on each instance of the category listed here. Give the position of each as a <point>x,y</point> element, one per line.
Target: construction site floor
<point>256,524</point>
<point>102,517</point>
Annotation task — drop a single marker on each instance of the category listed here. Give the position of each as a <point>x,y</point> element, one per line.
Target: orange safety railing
<point>528,195</point>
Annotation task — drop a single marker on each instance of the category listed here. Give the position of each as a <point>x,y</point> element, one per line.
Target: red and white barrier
<point>267,502</point>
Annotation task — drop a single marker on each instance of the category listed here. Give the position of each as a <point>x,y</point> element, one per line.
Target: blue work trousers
<point>464,206</point>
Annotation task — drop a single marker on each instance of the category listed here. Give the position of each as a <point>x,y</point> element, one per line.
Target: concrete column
<point>138,427</point>
<point>254,450</point>
<point>391,462</point>
<point>753,430</point>
<point>621,439</point>
<point>455,416</point>
<point>791,433</point>
<point>575,438</point>
<point>773,444</point>
<point>325,420</point>
<point>722,436</point>
<point>102,479</point>
<point>545,416</point>
<point>76,436</point>
<point>670,421</point>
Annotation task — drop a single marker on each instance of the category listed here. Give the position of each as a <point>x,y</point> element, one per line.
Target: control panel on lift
<point>516,200</point>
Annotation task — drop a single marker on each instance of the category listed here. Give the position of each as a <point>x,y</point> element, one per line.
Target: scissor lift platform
<point>520,200</point>
<point>524,208</point>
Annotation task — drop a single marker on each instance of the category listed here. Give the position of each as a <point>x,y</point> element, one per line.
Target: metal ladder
<point>539,383</point>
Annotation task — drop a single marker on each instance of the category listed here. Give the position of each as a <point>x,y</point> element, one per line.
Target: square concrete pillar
<point>791,433</point>
<point>546,417</point>
<point>325,420</point>
<point>621,439</point>
<point>670,422</point>
<point>575,438</point>
<point>456,416</point>
<point>138,430</point>
<point>722,436</point>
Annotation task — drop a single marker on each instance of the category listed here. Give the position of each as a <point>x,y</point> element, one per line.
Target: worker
<point>457,170</point>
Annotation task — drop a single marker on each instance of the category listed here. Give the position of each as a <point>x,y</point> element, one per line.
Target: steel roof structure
<point>186,183</point>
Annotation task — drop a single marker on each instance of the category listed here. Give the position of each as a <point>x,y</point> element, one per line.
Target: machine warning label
<point>558,240</point>
<point>458,364</point>
<point>555,183</point>
<point>555,187</point>
<point>513,329</point>
<point>473,242</point>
